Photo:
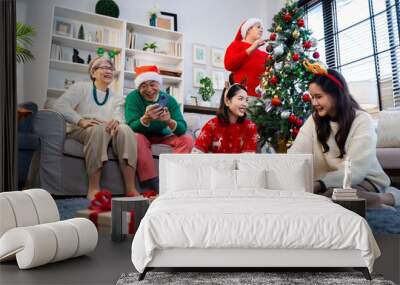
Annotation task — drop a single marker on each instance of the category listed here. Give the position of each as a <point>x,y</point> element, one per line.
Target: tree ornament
<point>314,42</point>
<point>278,66</point>
<point>285,115</point>
<point>292,118</point>
<point>278,29</point>
<point>296,57</point>
<point>272,37</point>
<point>287,17</point>
<point>273,80</point>
<point>315,55</point>
<point>306,97</point>
<point>259,90</point>
<point>278,50</point>
<point>295,34</point>
<point>269,48</point>
<point>299,122</point>
<point>307,44</point>
<point>268,58</point>
<point>276,101</point>
<point>295,131</point>
<point>300,23</point>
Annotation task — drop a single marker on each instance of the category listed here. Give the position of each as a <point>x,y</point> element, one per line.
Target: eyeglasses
<point>106,68</point>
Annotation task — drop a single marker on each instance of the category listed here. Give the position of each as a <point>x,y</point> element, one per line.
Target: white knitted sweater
<point>360,147</point>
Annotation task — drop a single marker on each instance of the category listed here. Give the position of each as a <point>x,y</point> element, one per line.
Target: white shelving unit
<point>62,67</point>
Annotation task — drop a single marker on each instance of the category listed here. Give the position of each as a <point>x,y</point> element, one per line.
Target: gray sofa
<point>61,169</point>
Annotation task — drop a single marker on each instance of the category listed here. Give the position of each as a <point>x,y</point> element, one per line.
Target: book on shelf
<point>130,63</point>
<point>175,48</point>
<point>107,36</point>
<point>130,39</point>
<point>170,71</point>
<point>56,52</point>
<point>173,91</point>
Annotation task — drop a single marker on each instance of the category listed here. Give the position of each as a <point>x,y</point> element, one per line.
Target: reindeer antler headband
<point>317,69</point>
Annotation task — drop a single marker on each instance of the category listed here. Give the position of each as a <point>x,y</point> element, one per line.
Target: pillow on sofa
<point>388,129</point>
<point>189,176</point>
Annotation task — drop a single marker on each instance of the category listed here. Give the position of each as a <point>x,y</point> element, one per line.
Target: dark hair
<point>345,113</point>
<point>223,110</point>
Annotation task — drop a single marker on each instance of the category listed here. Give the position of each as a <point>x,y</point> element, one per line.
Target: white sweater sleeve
<point>304,140</point>
<point>67,103</point>
<point>361,149</point>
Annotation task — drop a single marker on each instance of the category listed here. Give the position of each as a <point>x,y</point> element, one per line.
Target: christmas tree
<point>285,103</point>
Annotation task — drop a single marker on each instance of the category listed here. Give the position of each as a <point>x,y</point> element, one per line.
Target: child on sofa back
<point>230,131</point>
<point>338,128</point>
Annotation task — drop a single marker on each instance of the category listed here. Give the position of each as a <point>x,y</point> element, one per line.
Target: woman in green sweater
<point>156,118</point>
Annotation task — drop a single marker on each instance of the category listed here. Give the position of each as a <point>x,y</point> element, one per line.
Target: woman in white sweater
<point>95,119</point>
<point>337,129</point>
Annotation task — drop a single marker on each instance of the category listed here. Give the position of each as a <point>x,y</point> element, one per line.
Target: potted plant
<point>24,34</point>
<point>152,46</point>
<point>153,13</point>
<point>206,90</point>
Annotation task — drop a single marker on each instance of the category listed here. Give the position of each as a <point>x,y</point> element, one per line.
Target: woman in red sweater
<point>244,59</point>
<point>230,131</point>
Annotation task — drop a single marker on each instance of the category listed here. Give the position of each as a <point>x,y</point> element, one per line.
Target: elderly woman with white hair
<point>95,118</point>
<point>243,57</point>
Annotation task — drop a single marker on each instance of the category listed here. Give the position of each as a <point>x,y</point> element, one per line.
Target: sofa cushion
<point>389,157</point>
<point>388,129</point>
<point>158,149</point>
<point>74,148</point>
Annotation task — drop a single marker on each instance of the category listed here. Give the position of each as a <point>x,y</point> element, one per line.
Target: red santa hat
<point>146,73</point>
<point>245,26</point>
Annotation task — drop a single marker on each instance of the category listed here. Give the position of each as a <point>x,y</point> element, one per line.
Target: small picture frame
<point>218,79</point>
<point>217,57</point>
<point>199,54</point>
<point>63,28</point>
<point>198,74</point>
<point>193,101</point>
<point>168,21</point>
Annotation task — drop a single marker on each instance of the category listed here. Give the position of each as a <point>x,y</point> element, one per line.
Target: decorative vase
<point>107,8</point>
<point>153,19</point>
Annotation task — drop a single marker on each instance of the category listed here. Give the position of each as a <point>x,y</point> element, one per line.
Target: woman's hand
<point>111,126</point>
<point>258,43</point>
<point>86,123</point>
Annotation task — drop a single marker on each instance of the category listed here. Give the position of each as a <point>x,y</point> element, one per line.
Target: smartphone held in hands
<point>163,102</point>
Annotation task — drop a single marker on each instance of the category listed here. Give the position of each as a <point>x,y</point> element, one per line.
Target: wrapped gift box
<point>102,220</point>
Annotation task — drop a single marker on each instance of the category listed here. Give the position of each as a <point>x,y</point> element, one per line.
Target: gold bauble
<point>295,34</point>
<point>278,29</point>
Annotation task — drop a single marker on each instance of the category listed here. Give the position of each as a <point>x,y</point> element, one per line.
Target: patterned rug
<point>242,278</point>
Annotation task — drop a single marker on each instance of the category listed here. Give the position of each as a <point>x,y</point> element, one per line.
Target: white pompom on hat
<point>246,25</point>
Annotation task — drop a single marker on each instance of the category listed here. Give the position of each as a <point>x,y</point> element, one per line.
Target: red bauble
<point>307,44</point>
<point>295,57</point>
<point>315,55</point>
<point>273,80</point>
<point>276,101</point>
<point>306,97</point>
<point>272,37</point>
<point>292,118</point>
<point>299,122</point>
<point>300,23</point>
<point>287,17</point>
<point>268,58</point>
<point>295,132</point>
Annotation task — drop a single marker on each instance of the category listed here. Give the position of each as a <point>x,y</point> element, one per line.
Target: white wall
<point>210,22</point>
